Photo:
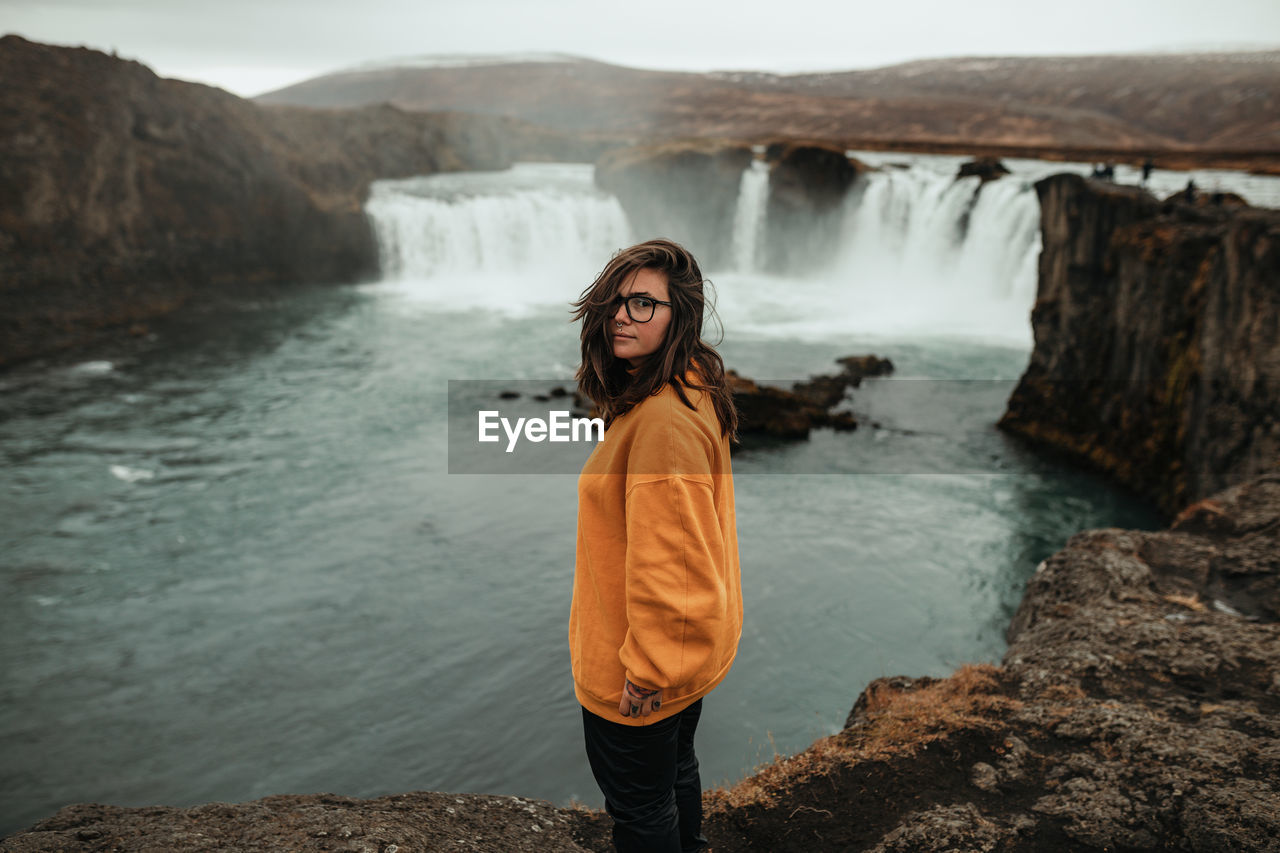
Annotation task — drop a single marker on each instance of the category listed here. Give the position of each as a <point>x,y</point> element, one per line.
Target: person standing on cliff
<point>657,599</point>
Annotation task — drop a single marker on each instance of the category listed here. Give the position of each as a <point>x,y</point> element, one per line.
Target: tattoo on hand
<point>639,693</point>
<point>637,700</point>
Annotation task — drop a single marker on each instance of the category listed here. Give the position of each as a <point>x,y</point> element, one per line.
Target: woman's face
<point>635,341</point>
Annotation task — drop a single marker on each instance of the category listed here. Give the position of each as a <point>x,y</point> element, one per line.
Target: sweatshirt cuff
<point>641,683</point>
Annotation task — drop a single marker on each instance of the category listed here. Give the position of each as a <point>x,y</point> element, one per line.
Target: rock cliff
<point>808,181</point>
<point>123,194</point>
<point>686,191</point>
<point>1137,708</point>
<point>1157,328</point>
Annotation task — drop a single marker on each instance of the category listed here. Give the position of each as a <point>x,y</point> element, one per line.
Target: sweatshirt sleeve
<point>676,592</point>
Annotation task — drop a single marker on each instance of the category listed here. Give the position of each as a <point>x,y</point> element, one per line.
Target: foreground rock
<point>404,823</point>
<point>1137,708</point>
<point>1157,327</point>
<point>123,195</point>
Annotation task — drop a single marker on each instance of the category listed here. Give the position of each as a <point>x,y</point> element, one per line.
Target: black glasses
<point>639,308</point>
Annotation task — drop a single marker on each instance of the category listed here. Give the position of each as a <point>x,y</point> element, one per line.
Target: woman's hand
<point>638,702</point>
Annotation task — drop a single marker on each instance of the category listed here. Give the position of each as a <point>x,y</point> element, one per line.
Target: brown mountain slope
<point>1158,102</point>
<point>1221,100</point>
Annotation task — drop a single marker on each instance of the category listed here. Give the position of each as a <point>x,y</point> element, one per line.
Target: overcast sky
<point>252,46</point>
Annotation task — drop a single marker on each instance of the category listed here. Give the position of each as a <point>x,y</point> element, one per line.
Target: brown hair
<point>606,380</point>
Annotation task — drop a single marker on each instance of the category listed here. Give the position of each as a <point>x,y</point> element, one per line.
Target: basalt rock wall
<point>123,194</point>
<point>808,182</point>
<point>689,191</point>
<point>684,191</point>
<point>1157,339</point>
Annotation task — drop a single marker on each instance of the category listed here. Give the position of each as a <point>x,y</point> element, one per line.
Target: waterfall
<point>537,232</point>
<point>921,247</point>
<point>915,250</point>
<point>911,251</point>
<point>928,233</point>
<point>749,217</point>
<point>1001,245</point>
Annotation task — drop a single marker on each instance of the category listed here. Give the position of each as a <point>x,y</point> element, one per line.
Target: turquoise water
<point>234,564</point>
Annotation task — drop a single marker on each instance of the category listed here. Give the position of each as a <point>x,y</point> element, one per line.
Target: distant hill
<point>1227,102</point>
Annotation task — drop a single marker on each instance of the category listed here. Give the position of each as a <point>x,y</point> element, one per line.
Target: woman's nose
<point>621,315</point>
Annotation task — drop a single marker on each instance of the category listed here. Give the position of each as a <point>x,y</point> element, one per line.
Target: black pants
<point>649,776</point>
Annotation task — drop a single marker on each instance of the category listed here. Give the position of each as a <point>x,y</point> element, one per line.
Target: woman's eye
<point>640,302</point>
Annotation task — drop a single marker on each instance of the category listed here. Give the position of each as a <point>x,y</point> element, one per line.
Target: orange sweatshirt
<point>657,594</point>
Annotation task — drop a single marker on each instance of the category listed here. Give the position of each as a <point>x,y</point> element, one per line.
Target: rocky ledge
<point>1137,708</point>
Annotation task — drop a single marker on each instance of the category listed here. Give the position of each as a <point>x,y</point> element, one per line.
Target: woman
<point>657,602</point>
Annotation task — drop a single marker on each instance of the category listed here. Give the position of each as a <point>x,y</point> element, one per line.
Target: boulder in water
<point>774,412</point>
